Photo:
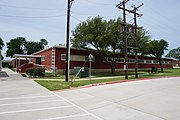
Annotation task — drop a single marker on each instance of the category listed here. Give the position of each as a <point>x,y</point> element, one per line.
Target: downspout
<point>19,65</point>
<point>16,65</point>
<point>54,59</point>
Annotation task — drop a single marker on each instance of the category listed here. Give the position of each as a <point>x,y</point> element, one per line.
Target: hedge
<point>36,72</point>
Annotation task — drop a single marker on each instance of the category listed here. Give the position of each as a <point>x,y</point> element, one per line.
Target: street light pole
<point>90,60</point>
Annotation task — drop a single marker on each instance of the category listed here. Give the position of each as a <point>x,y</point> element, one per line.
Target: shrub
<point>10,66</point>
<point>35,72</point>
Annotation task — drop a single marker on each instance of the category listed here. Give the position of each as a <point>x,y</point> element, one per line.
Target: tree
<point>1,47</point>
<point>43,42</point>
<point>15,46</point>
<point>143,38</point>
<point>1,44</point>
<point>156,48</point>
<point>174,53</point>
<point>100,34</point>
<point>115,40</point>
<point>19,45</point>
<point>32,46</point>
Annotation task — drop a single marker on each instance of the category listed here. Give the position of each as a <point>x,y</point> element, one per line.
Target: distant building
<point>6,63</point>
<point>176,63</point>
<point>54,59</point>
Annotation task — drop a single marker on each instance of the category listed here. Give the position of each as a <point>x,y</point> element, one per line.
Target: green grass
<point>59,85</point>
<point>167,72</point>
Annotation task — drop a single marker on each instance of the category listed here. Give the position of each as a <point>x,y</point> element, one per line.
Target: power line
<point>53,16</point>
<point>83,14</point>
<point>76,18</point>
<point>31,8</point>
<point>98,3</point>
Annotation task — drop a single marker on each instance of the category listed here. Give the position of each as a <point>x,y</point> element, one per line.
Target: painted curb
<point>115,82</point>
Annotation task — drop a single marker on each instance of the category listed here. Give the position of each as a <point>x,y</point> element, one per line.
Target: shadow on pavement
<point>3,74</point>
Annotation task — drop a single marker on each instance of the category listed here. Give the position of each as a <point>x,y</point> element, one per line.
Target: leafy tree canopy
<point>174,53</point>
<point>15,46</point>
<point>105,37</point>
<point>100,34</point>
<point>20,45</point>
<point>143,38</point>
<point>156,48</point>
<point>1,47</point>
<point>1,44</point>
<point>32,46</point>
<point>91,33</point>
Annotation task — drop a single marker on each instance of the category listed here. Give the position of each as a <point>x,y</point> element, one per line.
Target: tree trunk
<point>113,69</point>
<point>161,66</point>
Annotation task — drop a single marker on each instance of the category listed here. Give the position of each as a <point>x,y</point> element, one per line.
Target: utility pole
<point>122,6</point>
<point>125,38</point>
<point>67,40</point>
<point>136,41</point>
<point>123,3</point>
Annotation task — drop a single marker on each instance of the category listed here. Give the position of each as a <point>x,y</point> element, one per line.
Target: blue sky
<point>36,19</point>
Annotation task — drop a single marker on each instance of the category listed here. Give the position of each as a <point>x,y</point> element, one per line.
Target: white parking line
<point>76,106</point>
<point>31,110</point>
<point>64,117</point>
<point>24,103</point>
<point>98,118</point>
<point>12,98</point>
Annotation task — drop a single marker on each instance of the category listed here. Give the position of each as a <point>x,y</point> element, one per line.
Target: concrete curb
<point>122,81</point>
<point>115,82</point>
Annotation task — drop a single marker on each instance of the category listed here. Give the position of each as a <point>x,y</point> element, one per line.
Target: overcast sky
<point>36,19</point>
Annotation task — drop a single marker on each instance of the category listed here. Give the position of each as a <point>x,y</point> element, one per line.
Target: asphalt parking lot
<point>156,99</point>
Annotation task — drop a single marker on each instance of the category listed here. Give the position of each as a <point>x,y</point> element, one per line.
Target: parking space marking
<point>69,116</point>
<point>24,103</point>
<point>13,98</point>
<point>31,110</point>
<point>98,118</point>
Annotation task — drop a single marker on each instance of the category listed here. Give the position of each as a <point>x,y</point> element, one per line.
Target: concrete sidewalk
<point>8,74</point>
<point>156,99</point>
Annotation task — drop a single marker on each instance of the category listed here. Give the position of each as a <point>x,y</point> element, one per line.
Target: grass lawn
<point>59,85</point>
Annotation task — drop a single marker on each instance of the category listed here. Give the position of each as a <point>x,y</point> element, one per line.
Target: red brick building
<point>54,58</point>
<point>176,63</point>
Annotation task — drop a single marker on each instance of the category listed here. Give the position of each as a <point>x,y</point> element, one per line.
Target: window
<point>131,60</point>
<point>140,61</point>
<point>109,59</point>
<point>42,58</point>
<point>155,62</point>
<point>122,60</point>
<point>104,59</point>
<point>148,61</point>
<point>63,57</point>
<point>77,58</point>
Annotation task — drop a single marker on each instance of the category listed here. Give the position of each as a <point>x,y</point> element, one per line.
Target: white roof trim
<point>26,56</point>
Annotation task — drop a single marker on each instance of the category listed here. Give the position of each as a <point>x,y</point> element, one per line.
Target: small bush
<point>35,72</point>
<point>10,66</point>
<point>24,75</point>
